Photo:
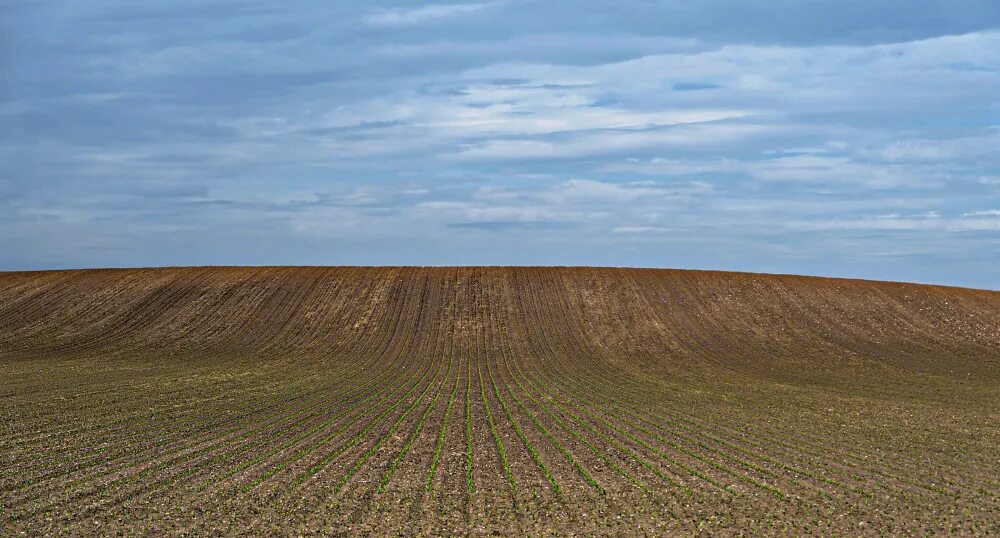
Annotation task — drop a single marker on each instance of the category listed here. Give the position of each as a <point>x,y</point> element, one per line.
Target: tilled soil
<point>440,401</point>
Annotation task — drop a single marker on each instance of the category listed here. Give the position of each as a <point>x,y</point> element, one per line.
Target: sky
<point>842,138</point>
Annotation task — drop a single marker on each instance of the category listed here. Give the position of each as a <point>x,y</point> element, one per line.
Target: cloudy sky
<point>843,138</point>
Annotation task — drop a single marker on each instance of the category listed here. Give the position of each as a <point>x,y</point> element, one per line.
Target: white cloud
<point>581,191</point>
<point>568,44</point>
<point>534,111</point>
<point>986,213</point>
<point>647,205</point>
<point>931,221</point>
<point>809,168</point>
<point>639,229</point>
<point>594,143</point>
<point>404,17</point>
<point>831,170</point>
<point>941,150</point>
<point>477,211</point>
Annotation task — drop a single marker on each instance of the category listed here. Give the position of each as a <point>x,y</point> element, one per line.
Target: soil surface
<point>515,401</point>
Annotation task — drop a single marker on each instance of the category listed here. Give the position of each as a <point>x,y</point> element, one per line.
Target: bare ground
<point>494,400</point>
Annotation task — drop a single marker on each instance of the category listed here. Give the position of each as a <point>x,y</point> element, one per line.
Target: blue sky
<point>842,138</point>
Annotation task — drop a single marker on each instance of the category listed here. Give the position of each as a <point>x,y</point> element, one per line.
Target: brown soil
<point>494,400</point>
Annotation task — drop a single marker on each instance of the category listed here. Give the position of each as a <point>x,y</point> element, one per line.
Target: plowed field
<point>479,400</point>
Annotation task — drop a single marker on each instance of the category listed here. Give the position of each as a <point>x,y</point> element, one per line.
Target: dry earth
<point>482,400</point>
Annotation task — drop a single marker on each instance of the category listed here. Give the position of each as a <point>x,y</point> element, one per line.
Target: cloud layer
<point>786,137</point>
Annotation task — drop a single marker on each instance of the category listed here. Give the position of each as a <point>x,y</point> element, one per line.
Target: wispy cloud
<point>639,229</point>
<point>986,213</point>
<point>932,221</point>
<point>420,15</point>
<point>658,134</point>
